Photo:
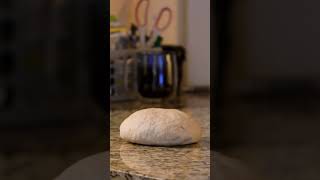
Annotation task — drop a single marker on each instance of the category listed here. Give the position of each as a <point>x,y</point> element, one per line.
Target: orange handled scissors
<point>156,28</point>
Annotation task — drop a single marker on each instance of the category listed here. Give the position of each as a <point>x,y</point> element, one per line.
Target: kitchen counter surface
<point>131,161</point>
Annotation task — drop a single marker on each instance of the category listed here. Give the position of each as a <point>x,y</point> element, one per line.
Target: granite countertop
<point>131,161</point>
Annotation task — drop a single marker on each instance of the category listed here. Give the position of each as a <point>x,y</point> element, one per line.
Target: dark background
<point>53,85</point>
<point>269,55</point>
<point>266,111</point>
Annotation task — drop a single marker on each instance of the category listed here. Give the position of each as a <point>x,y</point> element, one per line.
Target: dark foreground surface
<point>272,138</point>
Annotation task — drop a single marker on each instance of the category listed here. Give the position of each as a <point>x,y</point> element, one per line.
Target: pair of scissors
<point>156,28</point>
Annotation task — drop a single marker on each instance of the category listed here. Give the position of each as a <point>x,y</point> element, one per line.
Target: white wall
<point>115,6</point>
<point>198,42</point>
<point>122,9</point>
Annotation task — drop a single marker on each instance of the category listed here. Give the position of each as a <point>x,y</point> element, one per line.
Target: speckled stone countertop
<point>131,161</point>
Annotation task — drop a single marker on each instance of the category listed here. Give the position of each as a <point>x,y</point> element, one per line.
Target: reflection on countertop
<point>146,162</point>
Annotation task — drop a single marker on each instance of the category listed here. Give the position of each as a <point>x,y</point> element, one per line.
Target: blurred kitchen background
<point>268,56</point>
<point>52,90</point>
<point>267,108</point>
<point>187,37</point>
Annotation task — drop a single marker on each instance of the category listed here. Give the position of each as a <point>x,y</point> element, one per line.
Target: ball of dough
<point>160,127</point>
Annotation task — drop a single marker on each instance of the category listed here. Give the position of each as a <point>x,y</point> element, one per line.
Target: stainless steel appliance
<point>153,74</point>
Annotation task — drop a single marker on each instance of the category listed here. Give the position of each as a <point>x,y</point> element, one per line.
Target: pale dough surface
<point>160,127</point>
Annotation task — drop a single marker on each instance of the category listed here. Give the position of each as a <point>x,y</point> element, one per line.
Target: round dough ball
<point>160,127</point>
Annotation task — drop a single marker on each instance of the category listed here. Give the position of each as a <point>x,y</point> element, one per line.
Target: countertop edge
<point>129,175</point>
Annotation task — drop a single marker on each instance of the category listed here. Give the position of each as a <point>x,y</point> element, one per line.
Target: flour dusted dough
<point>161,127</point>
